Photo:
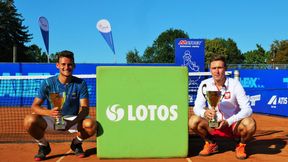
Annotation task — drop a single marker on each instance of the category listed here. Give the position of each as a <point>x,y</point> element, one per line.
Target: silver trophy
<point>58,101</point>
<point>213,98</point>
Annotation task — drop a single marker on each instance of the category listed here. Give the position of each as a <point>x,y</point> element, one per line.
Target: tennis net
<point>16,96</point>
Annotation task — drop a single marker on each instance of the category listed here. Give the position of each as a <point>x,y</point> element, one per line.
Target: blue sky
<point>137,23</point>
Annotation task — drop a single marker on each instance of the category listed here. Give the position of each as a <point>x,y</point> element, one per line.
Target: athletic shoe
<point>42,152</point>
<point>77,148</point>
<point>208,149</point>
<point>240,151</point>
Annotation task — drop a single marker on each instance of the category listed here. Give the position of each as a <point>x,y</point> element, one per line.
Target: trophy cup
<point>58,101</point>
<point>213,98</point>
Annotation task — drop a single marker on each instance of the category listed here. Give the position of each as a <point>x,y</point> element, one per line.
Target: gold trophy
<point>58,101</point>
<point>213,98</point>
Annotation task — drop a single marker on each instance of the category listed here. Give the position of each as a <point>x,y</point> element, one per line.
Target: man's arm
<point>84,111</point>
<point>38,109</point>
<point>243,101</point>
<point>84,102</point>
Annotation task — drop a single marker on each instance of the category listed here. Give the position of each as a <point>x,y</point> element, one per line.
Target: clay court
<point>269,144</point>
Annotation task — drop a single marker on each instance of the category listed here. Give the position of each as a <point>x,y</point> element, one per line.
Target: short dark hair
<point>218,58</point>
<point>67,54</point>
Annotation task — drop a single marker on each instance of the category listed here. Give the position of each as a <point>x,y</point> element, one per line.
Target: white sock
<point>42,141</point>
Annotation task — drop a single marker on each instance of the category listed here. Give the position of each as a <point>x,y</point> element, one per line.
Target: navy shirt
<point>73,92</point>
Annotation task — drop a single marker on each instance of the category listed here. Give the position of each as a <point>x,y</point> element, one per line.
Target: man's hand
<point>210,114</point>
<point>223,124</point>
<point>55,112</point>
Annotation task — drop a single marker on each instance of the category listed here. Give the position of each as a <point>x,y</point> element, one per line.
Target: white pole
<point>236,74</point>
<point>48,60</point>
<point>14,53</point>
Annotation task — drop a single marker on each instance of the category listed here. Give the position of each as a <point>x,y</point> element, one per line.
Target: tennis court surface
<point>269,144</point>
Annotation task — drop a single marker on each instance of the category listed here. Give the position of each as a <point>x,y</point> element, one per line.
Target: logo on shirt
<point>227,95</point>
<point>74,96</point>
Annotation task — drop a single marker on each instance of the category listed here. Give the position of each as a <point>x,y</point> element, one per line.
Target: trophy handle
<point>204,86</point>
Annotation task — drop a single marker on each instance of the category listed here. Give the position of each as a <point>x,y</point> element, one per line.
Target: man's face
<point>65,66</point>
<point>218,69</point>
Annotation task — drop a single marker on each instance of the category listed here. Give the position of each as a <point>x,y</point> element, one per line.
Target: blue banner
<point>44,27</point>
<point>190,53</point>
<point>274,101</point>
<point>20,93</point>
<point>267,90</point>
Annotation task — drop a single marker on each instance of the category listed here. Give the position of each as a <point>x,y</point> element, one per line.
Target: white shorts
<point>50,124</point>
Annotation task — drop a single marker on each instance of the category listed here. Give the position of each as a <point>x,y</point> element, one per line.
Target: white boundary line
<point>62,157</point>
<point>188,159</point>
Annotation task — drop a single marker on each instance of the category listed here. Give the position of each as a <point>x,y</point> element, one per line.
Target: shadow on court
<point>256,146</point>
<point>90,152</point>
<point>268,146</point>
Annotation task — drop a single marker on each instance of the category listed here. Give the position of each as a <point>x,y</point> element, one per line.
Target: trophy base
<point>213,124</point>
<point>59,126</point>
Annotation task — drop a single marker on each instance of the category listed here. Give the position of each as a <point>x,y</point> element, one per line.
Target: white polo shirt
<point>234,104</point>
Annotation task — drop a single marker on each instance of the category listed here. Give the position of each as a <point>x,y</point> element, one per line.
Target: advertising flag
<point>104,28</point>
<point>44,27</point>
<point>191,53</point>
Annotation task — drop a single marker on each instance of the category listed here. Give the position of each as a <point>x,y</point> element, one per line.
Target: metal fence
<point>257,66</point>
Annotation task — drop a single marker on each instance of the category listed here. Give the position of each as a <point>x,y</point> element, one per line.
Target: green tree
<point>257,56</point>
<point>133,57</point>
<point>219,46</point>
<point>12,33</point>
<point>34,53</point>
<point>234,54</point>
<point>279,52</point>
<point>162,49</point>
<point>52,57</point>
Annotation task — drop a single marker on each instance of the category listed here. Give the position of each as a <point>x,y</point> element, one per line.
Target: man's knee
<point>193,122</point>
<point>248,124</point>
<point>89,125</point>
<point>30,120</point>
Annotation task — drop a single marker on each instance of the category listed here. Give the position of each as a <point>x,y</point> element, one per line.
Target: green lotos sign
<point>143,111</point>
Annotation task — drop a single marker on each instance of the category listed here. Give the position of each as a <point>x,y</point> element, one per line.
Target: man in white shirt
<point>233,113</point>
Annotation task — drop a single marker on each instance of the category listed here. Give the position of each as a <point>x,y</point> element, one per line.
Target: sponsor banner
<point>190,53</point>
<point>267,90</point>
<point>263,79</point>
<point>116,113</point>
<point>44,27</point>
<point>22,93</point>
<point>104,28</point>
<point>140,107</point>
<point>269,101</point>
<point>264,82</point>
